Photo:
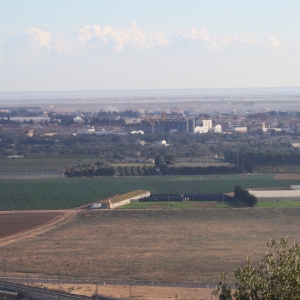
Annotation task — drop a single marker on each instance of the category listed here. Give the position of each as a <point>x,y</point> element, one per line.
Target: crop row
<point>72,192</point>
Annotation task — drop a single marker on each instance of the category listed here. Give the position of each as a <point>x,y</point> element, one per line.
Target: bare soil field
<point>286,176</point>
<point>208,204</point>
<point>16,223</point>
<point>160,245</point>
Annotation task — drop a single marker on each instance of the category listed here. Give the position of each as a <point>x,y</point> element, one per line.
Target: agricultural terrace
<point>164,245</point>
<point>73,192</point>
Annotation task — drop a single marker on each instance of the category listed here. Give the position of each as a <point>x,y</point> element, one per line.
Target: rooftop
<point>127,196</point>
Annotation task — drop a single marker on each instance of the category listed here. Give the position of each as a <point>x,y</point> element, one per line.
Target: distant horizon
<point>161,90</point>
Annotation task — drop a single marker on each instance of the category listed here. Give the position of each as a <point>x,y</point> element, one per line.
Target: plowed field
<point>14,223</point>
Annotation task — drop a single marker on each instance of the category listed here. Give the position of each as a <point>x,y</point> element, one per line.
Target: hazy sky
<point>148,44</point>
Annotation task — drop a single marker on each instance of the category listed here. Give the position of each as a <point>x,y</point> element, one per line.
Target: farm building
<point>125,199</point>
<point>95,206</point>
<point>277,195</point>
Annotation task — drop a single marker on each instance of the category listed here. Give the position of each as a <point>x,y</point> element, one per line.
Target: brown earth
<point>15,223</point>
<point>286,176</point>
<point>162,245</point>
<point>18,225</point>
<point>208,204</point>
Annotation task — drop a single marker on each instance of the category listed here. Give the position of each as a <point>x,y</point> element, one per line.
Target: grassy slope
<point>73,192</point>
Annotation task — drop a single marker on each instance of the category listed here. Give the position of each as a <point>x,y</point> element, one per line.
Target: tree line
<point>96,170</point>
<point>247,161</point>
<point>137,171</point>
<point>210,170</point>
<point>89,171</point>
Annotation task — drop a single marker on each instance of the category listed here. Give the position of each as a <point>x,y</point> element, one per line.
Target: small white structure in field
<point>95,206</point>
<point>295,187</point>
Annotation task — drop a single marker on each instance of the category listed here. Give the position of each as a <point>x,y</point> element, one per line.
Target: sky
<point>148,44</point>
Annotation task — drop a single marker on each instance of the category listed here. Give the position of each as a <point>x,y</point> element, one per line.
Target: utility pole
<point>96,292</point>
<point>58,279</point>
<point>27,295</point>
<point>4,270</point>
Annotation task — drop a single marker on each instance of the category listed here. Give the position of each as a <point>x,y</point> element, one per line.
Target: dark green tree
<point>276,278</point>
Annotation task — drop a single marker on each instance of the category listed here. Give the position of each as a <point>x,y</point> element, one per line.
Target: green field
<point>67,193</point>
<point>268,204</point>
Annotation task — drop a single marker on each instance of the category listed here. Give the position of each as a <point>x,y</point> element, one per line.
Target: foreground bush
<point>276,278</point>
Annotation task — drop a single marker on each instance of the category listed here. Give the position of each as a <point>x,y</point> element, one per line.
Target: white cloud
<point>61,45</point>
<point>195,34</point>
<point>1,58</point>
<point>214,42</point>
<point>105,36</point>
<point>41,38</point>
<point>274,41</point>
<point>29,42</point>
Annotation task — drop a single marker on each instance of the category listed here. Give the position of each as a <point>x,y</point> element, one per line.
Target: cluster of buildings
<point>179,124</point>
<point>156,122</point>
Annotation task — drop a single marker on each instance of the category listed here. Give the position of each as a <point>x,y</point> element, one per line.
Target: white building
<point>160,143</point>
<point>137,132</point>
<point>87,131</point>
<point>201,129</point>
<point>78,119</point>
<point>240,129</point>
<point>217,129</point>
<point>207,124</point>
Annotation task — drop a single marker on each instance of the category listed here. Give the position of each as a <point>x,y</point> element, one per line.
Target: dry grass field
<point>160,245</point>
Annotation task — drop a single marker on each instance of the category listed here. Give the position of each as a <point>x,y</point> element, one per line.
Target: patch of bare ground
<point>17,225</point>
<point>136,292</point>
<point>286,176</point>
<point>160,245</point>
<point>208,204</point>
